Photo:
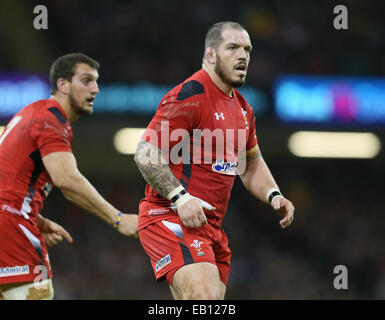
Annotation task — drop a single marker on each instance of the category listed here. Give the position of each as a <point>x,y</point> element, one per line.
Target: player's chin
<point>240,81</point>
<point>86,110</point>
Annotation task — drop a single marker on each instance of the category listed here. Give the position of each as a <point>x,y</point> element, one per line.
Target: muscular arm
<point>258,180</point>
<point>157,173</point>
<point>154,168</point>
<point>64,173</point>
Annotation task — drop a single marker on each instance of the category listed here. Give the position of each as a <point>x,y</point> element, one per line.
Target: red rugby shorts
<point>170,245</point>
<point>23,253</point>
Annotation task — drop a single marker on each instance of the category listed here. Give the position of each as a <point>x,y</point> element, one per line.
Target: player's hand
<point>285,209</point>
<point>191,213</point>
<point>52,233</point>
<point>128,225</point>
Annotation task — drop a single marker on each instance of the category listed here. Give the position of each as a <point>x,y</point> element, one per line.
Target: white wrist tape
<point>204,204</point>
<point>270,193</point>
<point>183,199</point>
<point>174,192</point>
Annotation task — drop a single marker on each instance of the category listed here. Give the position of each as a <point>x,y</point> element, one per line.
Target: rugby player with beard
<point>180,218</point>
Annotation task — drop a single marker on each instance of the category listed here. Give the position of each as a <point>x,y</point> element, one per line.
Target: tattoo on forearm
<point>155,170</point>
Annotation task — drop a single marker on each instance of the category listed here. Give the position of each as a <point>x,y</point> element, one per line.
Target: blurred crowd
<point>162,41</point>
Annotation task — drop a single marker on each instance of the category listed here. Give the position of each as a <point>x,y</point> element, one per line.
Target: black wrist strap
<point>177,196</point>
<point>274,194</point>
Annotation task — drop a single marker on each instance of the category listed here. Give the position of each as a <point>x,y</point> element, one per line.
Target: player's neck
<point>224,87</point>
<point>64,103</point>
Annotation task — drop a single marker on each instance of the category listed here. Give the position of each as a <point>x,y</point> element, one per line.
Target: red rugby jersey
<point>193,111</point>
<point>35,131</point>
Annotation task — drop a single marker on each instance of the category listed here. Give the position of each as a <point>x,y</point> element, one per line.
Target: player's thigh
<point>171,246</point>
<point>41,290</point>
<point>197,281</point>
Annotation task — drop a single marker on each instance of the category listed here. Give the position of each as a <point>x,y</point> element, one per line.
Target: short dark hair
<point>65,67</point>
<point>214,34</point>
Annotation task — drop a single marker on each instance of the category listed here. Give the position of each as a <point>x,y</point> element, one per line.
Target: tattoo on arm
<point>253,153</point>
<point>154,168</point>
<point>254,156</point>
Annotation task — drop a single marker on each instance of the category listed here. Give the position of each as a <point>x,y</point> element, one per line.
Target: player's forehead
<point>85,70</point>
<point>236,36</point>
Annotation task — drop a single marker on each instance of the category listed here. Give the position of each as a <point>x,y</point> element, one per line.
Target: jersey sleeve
<point>172,122</point>
<point>252,140</point>
<point>50,135</point>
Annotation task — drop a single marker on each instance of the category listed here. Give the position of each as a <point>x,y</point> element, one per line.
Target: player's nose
<point>95,88</point>
<point>242,55</point>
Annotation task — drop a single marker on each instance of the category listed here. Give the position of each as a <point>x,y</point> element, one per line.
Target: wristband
<point>183,199</point>
<point>175,192</point>
<point>116,225</point>
<point>273,192</point>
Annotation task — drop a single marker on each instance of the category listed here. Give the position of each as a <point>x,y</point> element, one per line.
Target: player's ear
<point>63,85</point>
<point>211,56</point>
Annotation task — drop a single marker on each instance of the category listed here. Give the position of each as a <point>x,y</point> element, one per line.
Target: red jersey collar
<point>212,84</point>
<point>57,104</point>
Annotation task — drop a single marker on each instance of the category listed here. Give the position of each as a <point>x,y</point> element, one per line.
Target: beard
<point>220,71</point>
<point>76,107</point>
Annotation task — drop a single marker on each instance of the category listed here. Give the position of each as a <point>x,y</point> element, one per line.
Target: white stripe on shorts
<point>174,227</point>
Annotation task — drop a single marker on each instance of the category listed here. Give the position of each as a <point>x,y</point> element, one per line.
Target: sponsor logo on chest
<point>225,167</point>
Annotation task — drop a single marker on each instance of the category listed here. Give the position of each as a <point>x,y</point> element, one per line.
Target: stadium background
<point>339,211</point>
